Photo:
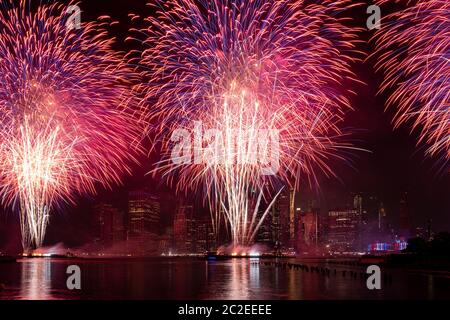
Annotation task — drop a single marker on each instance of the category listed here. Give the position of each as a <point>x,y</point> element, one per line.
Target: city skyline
<point>393,165</point>
<point>82,213</point>
<point>371,222</point>
<point>225,150</point>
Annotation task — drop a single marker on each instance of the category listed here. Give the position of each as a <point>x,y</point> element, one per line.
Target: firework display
<point>64,99</point>
<point>413,47</point>
<point>267,78</point>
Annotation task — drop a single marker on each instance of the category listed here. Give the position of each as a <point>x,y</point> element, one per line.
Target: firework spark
<point>242,68</point>
<point>414,49</point>
<point>64,108</point>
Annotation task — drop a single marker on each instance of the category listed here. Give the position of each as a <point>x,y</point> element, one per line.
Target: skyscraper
<point>206,240</point>
<point>344,229</point>
<point>282,213</point>
<point>404,218</point>
<point>382,218</point>
<point>183,228</point>
<point>264,234</point>
<point>292,216</point>
<point>358,203</point>
<point>309,231</point>
<point>108,224</point>
<point>143,213</point>
<point>368,205</point>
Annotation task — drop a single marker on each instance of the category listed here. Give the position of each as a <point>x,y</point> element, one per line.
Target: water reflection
<point>239,280</point>
<point>430,287</point>
<point>36,277</point>
<point>254,272</point>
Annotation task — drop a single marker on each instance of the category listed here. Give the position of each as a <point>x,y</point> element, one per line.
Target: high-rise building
<point>358,203</point>
<point>281,218</point>
<point>292,216</point>
<point>190,234</point>
<point>264,234</point>
<point>165,241</point>
<point>344,230</point>
<point>108,224</point>
<point>310,231</point>
<point>276,225</point>
<point>382,218</point>
<point>307,230</point>
<point>143,213</point>
<point>182,228</point>
<point>404,218</point>
<point>251,207</point>
<point>297,225</point>
<point>206,240</point>
<point>430,233</point>
<point>368,205</point>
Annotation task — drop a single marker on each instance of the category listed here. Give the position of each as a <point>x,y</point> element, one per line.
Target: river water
<point>191,278</point>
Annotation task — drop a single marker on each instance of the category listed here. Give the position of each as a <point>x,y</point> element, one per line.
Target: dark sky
<point>394,164</point>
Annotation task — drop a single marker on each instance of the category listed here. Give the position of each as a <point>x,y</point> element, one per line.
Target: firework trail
<point>413,47</point>
<point>64,109</point>
<point>267,77</point>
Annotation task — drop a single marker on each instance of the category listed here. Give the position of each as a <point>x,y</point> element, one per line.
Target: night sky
<point>394,164</point>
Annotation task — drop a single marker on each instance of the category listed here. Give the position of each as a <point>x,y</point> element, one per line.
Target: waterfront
<point>190,278</point>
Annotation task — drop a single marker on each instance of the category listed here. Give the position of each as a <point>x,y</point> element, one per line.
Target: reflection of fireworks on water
<point>414,50</point>
<point>242,68</point>
<point>65,128</point>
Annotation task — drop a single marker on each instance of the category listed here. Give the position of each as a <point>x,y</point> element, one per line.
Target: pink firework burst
<point>414,49</point>
<point>65,111</point>
<point>247,70</point>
